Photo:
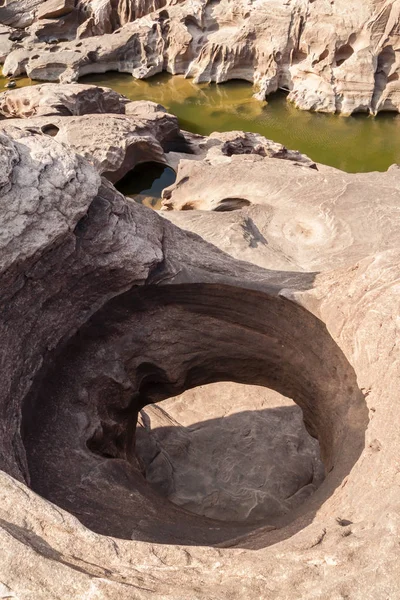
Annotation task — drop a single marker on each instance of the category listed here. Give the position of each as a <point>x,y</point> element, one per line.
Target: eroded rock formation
<point>332,56</point>
<point>334,226</point>
<point>113,323</point>
<point>74,114</point>
<point>62,100</point>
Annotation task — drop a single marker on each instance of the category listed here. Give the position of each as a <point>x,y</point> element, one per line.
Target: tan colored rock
<point>226,144</point>
<point>331,56</point>
<point>107,308</point>
<point>334,226</point>
<point>19,13</point>
<point>116,144</point>
<point>105,16</point>
<point>63,100</point>
<point>5,43</point>
<point>52,9</point>
<point>61,29</point>
<point>113,143</point>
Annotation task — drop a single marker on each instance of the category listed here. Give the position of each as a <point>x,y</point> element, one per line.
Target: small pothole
<point>145,183</point>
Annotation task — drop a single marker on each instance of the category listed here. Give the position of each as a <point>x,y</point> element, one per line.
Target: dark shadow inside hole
<point>343,53</point>
<point>298,56</point>
<point>189,336</point>
<point>145,183</point>
<point>383,76</point>
<point>230,204</point>
<point>50,129</point>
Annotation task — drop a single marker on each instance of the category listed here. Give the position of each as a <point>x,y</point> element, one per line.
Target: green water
<point>21,82</point>
<point>358,143</point>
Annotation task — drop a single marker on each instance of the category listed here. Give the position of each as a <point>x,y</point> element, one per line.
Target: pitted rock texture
<point>109,311</point>
<point>113,133</point>
<point>331,56</point>
<point>261,220</point>
<point>63,100</point>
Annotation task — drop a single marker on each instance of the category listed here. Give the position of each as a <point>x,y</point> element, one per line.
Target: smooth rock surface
<point>111,307</point>
<point>19,13</point>
<point>6,45</point>
<point>334,226</point>
<point>109,310</point>
<point>216,466</point>
<point>51,9</point>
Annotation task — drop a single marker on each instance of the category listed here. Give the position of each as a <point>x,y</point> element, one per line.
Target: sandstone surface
<point>51,9</point>
<point>217,466</point>
<point>149,442</point>
<point>6,45</point>
<point>99,124</point>
<point>19,14</point>
<point>334,225</point>
<point>63,100</point>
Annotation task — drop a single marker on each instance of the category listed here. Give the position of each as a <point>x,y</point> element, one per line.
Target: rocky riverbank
<point>330,55</point>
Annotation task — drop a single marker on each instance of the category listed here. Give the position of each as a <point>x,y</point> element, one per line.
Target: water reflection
<point>354,144</point>
<point>146,182</point>
<point>358,143</point>
<point>20,81</point>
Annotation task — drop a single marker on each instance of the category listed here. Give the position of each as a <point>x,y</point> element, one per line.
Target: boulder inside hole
<point>230,452</point>
<point>145,183</point>
<point>151,344</point>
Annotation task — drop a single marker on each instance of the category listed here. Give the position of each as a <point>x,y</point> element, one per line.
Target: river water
<point>354,144</point>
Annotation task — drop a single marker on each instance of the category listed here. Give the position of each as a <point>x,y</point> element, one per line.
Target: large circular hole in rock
<point>230,452</point>
<point>145,183</point>
<point>93,414</point>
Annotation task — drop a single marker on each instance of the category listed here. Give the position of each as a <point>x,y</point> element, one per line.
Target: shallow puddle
<point>20,81</point>
<point>146,182</point>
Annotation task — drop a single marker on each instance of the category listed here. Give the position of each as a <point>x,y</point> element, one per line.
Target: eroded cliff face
<point>331,56</point>
<point>105,16</point>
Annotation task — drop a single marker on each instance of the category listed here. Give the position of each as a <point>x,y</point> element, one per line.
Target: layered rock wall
<point>330,56</point>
